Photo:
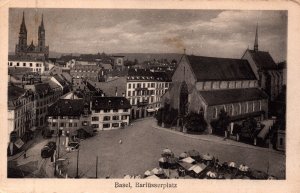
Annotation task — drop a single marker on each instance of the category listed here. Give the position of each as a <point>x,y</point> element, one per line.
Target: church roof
<point>211,68</point>
<point>219,97</point>
<point>263,60</point>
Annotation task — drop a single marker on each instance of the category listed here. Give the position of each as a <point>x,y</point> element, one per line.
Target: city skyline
<point>227,33</point>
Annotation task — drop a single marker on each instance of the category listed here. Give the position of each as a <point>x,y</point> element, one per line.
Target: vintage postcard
<point>177,96</point>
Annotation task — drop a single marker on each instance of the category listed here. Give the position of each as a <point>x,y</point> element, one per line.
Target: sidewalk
<point>26,146</point>
<point>217,139</point>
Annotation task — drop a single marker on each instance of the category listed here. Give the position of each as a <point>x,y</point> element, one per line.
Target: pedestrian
<point>25,154</point>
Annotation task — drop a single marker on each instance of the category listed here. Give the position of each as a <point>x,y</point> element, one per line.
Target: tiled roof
<point>109,88</point>
<point>42,88</point>
<point>218,97</point>
<point>147,75</point>
<point>263,60</point>
<point>25,58</point>
<point>15,92</point>
<point>67,107</point>
<point>210,68</point>
<point>100,103</point>
<point>19,70</point>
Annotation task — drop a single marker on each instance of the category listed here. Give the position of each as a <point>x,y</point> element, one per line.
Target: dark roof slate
<point>15,92</point>
<point>263,60</point>
<point>210,68</point>
<point>67,107</point>
<point>219,97</point>
<point>101,103</point>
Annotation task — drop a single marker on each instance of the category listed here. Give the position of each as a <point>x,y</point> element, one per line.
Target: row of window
<point>147,85</point>
<point>145,92</point>
<point>107,125</point>
<point>108,118</point>
<point>109,110</point>
<point>65,124</point>
<point>241,108</point>
<point>25,64</point>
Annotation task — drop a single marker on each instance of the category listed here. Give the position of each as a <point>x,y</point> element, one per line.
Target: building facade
<point>110,112</point>
<point>35,65</point>
<point>21,115</point>
<point>88,72</point>
<point>69,115</point>
<point>144,90</point>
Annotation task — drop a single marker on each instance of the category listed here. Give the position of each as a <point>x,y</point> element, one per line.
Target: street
<point>141,148</point>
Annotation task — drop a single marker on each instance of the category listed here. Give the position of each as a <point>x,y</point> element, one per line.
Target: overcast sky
<point>201,32</point>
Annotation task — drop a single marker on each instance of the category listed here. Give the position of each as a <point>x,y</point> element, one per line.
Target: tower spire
<point>23,25</point>
<point>256,39</point>
<point>42,22</point>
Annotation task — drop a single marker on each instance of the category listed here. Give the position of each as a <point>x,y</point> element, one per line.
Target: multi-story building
<point>110,112</point>
<point>68,115</point>
<point>20,110</point>
<point>144,90</point>
<point>89,72</point>
<point>36,65</point>
<point>44,96</point>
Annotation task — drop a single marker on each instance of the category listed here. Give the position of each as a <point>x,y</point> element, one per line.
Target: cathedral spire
<point>256,39</point>
<point>23,25</point>
<point>42,23</point>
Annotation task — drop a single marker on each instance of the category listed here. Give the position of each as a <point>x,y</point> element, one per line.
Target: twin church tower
<point>40,51</point>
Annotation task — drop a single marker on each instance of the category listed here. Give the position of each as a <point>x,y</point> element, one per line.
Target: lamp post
<point>77,176</point>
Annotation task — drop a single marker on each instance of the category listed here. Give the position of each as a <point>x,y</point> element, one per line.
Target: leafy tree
<point>195,122</point>
<point>250,127</point>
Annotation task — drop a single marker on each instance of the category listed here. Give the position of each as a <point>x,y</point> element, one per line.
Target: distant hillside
<point>141,57</point>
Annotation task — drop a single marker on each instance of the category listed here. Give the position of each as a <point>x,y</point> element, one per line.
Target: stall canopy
<point>188,160</point>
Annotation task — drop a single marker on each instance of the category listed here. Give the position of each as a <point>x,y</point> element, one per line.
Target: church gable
<point>184,72</point>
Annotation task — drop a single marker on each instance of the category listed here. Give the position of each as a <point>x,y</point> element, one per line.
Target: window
<point>62,124</point>
<point>106,118</point>
<point>133,93</point>
<point>10,64</point>
<point>215,113</point>
<point>133,85</point>
<point>129,93</point>
<point>115,125</point>
<point>95,118</point>
<point>54,124</point>
<point>115,118</point>
<point>95,125</point>
<point>75,124</point>
<point>129,85</point>
<point>30,64</point>
<point>70,125</point>
<point>18,64</point>
<point>125,110</point>
<point>24,64</point>
<point>124,117</point>
<point>106,110</point>
<point>106,125</point>
<point>97,111</point>
<point>115,110</point>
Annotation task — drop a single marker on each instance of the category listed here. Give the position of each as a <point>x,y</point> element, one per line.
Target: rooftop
<point>211,68</point>
<point>67,107</point>
<point>263,60</point>
<point>219,97</point>
<point>101,103</point>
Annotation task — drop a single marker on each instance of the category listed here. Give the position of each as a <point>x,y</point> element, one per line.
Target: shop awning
<point>263,133</point>
<point>150,110</point>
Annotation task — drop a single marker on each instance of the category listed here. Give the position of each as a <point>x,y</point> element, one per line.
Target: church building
<point>23,50</point>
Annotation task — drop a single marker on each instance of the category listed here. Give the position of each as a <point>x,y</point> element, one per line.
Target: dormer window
<point>109,102</point>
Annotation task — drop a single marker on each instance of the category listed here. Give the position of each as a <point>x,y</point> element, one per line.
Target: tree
<point>220,125</point>
<point>195,122</point>
<point>250,128</point>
